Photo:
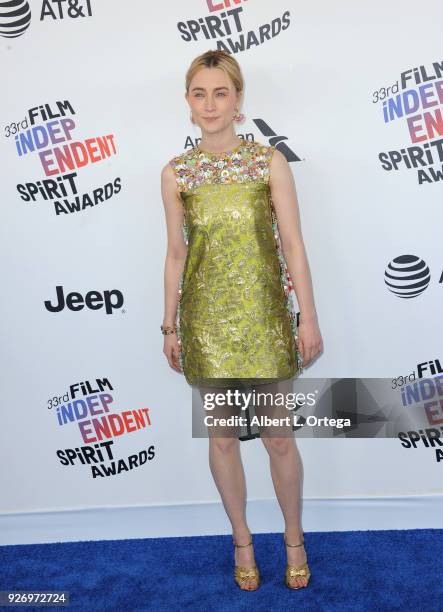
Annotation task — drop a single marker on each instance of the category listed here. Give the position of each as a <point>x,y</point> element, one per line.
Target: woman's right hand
<point>171,348</point>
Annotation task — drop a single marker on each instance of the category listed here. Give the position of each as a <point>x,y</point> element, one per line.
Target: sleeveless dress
<point>236,323</point>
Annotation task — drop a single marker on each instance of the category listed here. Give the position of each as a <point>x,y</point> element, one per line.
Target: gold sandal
<point>243,574</point>
<point>293,571</point>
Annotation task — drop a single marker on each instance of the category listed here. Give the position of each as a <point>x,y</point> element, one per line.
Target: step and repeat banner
<point>92,108</point>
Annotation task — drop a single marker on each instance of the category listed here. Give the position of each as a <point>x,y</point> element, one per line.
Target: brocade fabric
<point>236,322</point>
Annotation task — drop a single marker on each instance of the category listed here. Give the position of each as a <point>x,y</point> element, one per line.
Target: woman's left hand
<point>309,341</point>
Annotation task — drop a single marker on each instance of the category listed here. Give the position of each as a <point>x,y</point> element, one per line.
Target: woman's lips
<point>210,118</point>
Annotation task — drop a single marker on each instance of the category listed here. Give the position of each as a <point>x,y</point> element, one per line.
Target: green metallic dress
<point>236,322</point>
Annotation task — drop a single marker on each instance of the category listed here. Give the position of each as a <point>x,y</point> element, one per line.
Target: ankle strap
<point>293,545</point>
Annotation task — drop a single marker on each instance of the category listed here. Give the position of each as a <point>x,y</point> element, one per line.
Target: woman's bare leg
<point>286,470</point>
<point>228,473</point>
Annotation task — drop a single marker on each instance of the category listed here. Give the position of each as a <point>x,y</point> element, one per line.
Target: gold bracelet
<point>168,329</point>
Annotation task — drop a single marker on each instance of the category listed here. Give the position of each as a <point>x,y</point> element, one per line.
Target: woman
<point>233,227</point>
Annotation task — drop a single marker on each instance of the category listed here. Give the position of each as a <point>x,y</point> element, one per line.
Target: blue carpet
<point>354,570</point>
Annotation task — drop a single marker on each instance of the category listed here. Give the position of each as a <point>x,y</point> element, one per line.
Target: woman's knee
<point>278,446</point>
<point>224,446</point>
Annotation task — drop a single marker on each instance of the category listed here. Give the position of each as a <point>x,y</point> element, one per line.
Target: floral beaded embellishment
<point>250,161</point>
<point>286,283</point>
<point>178,324</point>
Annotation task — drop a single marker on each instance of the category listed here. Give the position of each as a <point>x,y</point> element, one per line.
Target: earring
<point>238,117</point>
<point>192,118</point>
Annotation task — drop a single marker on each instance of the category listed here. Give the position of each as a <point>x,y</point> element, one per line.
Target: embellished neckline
<point>246,162</point>
<point>220,153</point>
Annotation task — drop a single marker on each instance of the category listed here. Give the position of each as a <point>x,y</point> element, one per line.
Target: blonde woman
<point>233,229</point>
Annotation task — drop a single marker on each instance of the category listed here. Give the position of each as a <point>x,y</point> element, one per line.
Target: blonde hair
<point>216,59</point>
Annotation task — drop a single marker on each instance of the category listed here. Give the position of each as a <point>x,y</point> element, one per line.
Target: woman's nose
<point>210,104</point>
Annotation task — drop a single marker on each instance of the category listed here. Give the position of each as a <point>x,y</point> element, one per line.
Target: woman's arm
<point>175,259</point>
<point>288,217</point>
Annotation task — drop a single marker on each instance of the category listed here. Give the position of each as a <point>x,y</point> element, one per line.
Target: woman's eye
<point>220,93</point>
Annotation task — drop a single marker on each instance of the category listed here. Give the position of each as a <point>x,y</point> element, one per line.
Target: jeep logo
<point>94,300</point>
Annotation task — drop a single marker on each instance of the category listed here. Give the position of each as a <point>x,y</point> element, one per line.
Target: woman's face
<point>213,99</point>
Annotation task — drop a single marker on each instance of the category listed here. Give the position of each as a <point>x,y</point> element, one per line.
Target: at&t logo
<point>407,276</point>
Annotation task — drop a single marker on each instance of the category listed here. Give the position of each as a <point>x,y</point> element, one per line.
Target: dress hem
<point>238,382</point>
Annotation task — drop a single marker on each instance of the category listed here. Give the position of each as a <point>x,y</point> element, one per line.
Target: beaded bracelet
<point>168,329</point>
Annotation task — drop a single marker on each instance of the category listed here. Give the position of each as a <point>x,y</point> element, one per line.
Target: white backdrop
<point>122,70</point>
